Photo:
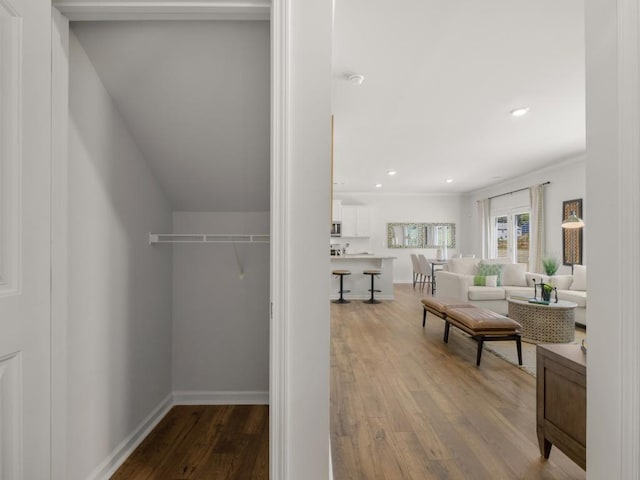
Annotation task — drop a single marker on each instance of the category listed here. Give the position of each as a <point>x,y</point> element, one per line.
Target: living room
<point>430,177</point>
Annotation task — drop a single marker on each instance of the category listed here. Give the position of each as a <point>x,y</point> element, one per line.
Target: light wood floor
<point>406,406</point>
<point>212,442</point>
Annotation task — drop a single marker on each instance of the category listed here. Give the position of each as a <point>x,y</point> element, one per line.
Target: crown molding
<point>100,10</point>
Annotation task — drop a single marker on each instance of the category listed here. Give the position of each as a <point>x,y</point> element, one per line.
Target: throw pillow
<point>579,278</point>
<point>490,269</point>
<point>535,277</point>
<point>490,281</point>
<point>464,266</point>
<point>561,282</point>
<point>513,274</point>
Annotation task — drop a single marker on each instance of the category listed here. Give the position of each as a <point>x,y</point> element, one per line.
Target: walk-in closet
<point>168,226</point>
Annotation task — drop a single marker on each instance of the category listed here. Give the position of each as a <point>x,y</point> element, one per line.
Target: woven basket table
<point>544,323</point>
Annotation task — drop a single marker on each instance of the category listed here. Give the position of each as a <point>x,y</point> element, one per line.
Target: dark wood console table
<point>562,400</point>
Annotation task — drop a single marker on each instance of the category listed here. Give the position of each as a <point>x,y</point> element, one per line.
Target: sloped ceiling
<point>195,95</point>
<point>441,77</point>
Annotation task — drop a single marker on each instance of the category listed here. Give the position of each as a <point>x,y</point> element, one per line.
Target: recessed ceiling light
<point>378,185</point>
<point>449,180</point>
<point>519,112</point>
<point>391,172</point>
<point>356,79</point>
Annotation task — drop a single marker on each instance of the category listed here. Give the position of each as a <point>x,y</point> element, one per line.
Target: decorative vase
<point>546,295</point>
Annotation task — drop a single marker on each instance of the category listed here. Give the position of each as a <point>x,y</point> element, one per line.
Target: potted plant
<point>546,292</point>
<point>550,263</point>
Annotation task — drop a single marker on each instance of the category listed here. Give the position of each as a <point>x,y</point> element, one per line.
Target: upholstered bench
<point>482,325</point>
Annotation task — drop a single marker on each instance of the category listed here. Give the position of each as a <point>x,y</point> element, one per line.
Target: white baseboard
<point>220,398</point>
<point>330,462</point>
<point>117,457</point>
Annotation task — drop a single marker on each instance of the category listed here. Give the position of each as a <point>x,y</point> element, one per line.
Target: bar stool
<point>341,274</point>
<point>373,273</point>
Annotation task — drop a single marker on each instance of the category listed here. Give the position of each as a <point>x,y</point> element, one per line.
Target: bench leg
<point>519,347</point>
<point>447,325</point>
<point>424,317</point>
<point>479,355</point>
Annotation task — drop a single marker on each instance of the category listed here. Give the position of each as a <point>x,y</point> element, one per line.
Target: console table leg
<point>545,446</point>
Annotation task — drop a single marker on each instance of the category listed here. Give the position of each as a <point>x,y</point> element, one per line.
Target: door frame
<point>612,98</point>
<point>96,10</point>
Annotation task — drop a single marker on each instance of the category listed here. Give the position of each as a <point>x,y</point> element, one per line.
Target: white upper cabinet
<point>336,207</point>
<point>355,221</point>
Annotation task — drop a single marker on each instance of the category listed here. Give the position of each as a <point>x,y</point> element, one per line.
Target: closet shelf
<point>206,238</point>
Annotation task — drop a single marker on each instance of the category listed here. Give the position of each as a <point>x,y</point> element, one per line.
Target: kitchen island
<point>357,282</point>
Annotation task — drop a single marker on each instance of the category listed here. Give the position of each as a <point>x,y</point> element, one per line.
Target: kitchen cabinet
<point>356,221</point>
<point>336,213</point>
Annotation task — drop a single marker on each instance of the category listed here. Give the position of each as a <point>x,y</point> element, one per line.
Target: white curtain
<point>536,229</point>
<point>484,214</point>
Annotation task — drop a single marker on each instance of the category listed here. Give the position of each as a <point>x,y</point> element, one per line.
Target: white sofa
<point>457,281</point>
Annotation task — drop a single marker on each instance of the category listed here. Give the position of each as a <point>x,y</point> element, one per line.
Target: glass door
<point>511,237</point>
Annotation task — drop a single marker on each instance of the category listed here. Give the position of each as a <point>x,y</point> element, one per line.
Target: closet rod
<point>207,238</point>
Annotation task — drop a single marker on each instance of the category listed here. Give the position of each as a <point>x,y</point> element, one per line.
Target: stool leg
<point>519,348</point>
<point>424,317</point>
<point>341,299</point>
<point>372,300</point>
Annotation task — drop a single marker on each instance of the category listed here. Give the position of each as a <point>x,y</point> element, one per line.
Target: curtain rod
<point>515,191</point>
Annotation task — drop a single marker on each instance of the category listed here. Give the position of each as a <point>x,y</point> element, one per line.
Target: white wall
<point>613,184</point>
<point>220,315</point>
<point>119,325</point>
<point>306,201</point>
<point>568,182</point>
<point>386,209</point>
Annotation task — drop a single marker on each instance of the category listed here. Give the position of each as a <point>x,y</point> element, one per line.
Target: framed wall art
<point>571,237</point>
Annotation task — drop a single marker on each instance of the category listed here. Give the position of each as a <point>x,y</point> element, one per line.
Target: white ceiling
<point>195,96</point>
<point>441,77</point>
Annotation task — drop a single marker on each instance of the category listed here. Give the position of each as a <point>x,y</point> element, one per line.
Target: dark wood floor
<point>204,443</point>
<point>406,406</point>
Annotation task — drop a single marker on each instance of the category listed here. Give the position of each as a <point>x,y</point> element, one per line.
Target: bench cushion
<point>442,304</point>
<point>479,321</point>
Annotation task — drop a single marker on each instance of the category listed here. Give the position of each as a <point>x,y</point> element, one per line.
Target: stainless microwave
<point>336,229</point>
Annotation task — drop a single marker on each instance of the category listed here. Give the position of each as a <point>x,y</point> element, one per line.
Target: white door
<point>25,152</point>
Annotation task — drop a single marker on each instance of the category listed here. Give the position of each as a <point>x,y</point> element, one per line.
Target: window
<point>510,240</point>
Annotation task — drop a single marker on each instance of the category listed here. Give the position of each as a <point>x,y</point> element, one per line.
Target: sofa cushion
<point>486,293</point>
<point>525,292</point>
<point>513,274</point>
<point>464,266</point>
<point>490,281</point>
<point>579,278</point>
<point>561,282</point>
<point>576,296</point>
<point>537,277</point>
<point>487,269</point>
